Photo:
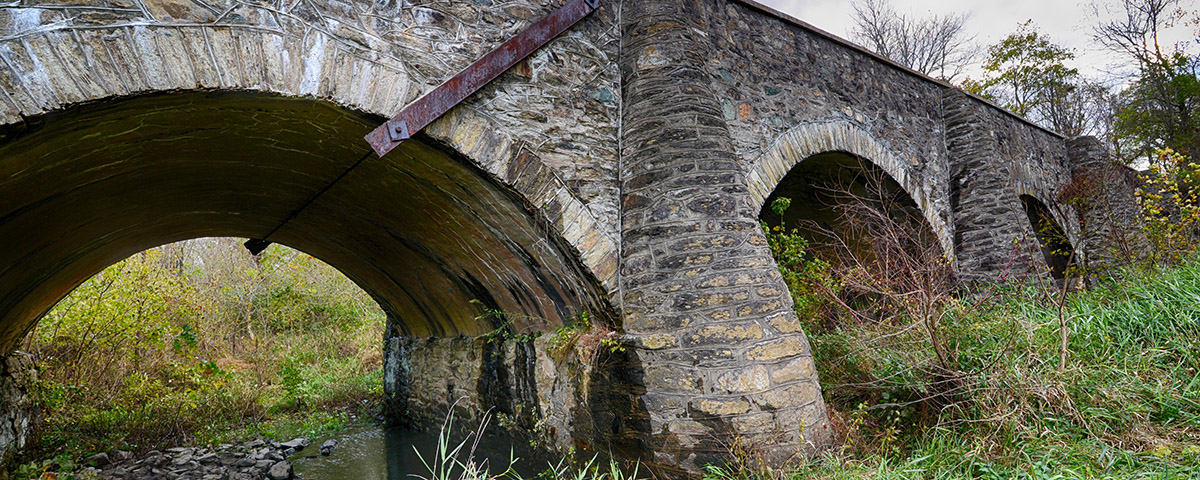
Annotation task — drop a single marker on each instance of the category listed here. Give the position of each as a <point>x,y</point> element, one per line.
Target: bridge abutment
<point>18,414</point>
<point>566,389</point>
<point>1102,192</point>
<point>991,238</point>
<point>725,357</point>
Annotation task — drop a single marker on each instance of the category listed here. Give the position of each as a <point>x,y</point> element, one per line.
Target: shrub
<point>199,340</point>
<point>1170,201</point>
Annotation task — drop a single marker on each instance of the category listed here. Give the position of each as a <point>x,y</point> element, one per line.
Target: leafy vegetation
<point>1027,74</point>
<point>1160,108</point>
<point>1169,195</point>
<point>200,342</point>
<point>807,278</point>
<point>1152,102</point>
<point>1017,380</point>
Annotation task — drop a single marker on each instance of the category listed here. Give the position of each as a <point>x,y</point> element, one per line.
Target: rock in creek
<point>280,471</point>
<point>296,444</point>
<point>328,446</point>
<point>253,460</point>
<point>97,460</point>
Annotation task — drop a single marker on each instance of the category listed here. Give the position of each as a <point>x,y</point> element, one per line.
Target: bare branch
<point>937,45</point>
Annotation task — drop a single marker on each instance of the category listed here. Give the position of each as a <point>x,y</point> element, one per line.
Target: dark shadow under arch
<point>1052,239</point>
<point>423,230</point>
<point>825,189</point>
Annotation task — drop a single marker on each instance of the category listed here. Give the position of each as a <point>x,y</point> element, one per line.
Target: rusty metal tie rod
<point>420,113</point>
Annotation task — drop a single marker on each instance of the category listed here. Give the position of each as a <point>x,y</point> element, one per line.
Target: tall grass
<point>457,461</point>
<point>927,378</point>
<point>200,341</point>
<point>1126,406</point>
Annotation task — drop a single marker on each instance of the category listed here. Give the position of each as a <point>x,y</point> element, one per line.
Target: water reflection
<point>373,452</point>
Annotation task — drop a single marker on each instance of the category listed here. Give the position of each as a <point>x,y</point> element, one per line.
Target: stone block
<point>790,396</point>
<point>671,378</point>
<point>182,11</point>
<point>776,349</point>
<point>45,51</point>
<point>724,334</point>
<point>758,309</point>
<point>720,407</point>
<point>794,370</point>
<point>177,63</point>
<point>658,341</point>
<point>747,380</point>
<point>201,56</point>
<point>693,301</point>
<point>752,425</point>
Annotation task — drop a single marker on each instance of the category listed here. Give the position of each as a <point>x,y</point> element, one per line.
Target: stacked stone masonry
<point>641,144</point>
<point>529,128</point>
<point>719,338</point>
<point>18,414</point>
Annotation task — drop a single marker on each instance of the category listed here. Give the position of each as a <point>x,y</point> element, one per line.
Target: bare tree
<point>1161,106</point>
<point>1101,103</point>
<point>1134,31</point>
<point>937,46</point>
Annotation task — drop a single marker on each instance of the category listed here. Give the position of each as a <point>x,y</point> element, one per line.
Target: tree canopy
<point>1027,74</point>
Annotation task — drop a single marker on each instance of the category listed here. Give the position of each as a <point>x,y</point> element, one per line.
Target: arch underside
<point>422,229</point>
<point>806,140</point>
<point>1052,239</point>
<point>838,202</point>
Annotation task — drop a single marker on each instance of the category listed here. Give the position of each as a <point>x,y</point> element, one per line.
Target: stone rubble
<point>254,460</point>
<point>328,446</point>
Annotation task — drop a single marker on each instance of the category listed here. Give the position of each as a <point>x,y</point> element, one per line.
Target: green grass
<point>1126,405</point>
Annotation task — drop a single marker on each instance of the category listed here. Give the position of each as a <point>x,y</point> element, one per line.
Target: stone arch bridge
<point>619,170</point>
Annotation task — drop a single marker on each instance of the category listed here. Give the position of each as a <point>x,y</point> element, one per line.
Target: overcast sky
<point>1067,22</point>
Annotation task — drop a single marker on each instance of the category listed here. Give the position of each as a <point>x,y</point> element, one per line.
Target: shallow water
<point>375,452</point>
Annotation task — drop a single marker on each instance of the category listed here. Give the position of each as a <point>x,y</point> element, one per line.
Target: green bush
<point>199,341</point>
<point>807,278</point>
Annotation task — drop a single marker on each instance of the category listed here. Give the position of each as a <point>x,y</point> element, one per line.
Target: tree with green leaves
<point>1161,106</point>
<point>1027,74</point>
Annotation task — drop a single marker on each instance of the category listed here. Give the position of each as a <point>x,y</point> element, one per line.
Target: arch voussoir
<point>808,139</point>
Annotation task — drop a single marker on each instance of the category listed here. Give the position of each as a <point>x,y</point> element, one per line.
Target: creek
<point>377,452</point>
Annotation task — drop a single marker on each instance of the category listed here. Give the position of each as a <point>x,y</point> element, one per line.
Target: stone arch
<point>806,140</point>
<point>49,63</point>
<point>360,63</point>
<point>1034,185</point>
<point>424,230</point>
<point>1052,239</point>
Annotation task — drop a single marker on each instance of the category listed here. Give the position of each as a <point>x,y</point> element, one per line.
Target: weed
<point>924,379</point>
<point>456,461</point>
<point>566,336</point>
<point>155,351</point>
<point>504,333</point>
